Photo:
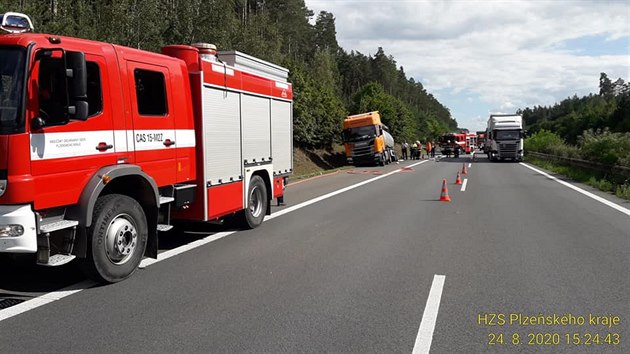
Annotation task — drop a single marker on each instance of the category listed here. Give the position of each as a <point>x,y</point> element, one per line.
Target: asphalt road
<point>359,271</point>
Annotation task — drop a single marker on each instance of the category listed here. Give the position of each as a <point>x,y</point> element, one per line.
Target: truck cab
<point>367,140</point>
<point>452,143</point>
<point>504,137</point>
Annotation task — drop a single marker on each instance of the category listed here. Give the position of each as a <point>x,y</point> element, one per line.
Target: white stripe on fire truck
<point>282,85</point>
<point>73,144</point>
<point>184,138</point>
<point>154,139</point>
<point>68,144</point>
<point>120,140</point>
<point>144,140</point>
<point>129,139</point>
<point>222,69</point>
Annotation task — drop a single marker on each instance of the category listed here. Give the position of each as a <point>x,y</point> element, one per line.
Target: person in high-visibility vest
<point>429,147</point>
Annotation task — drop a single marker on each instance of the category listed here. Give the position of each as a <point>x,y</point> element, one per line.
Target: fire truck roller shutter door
<point>281,137</point>
<point>256,123</point>
<point>222,136</point>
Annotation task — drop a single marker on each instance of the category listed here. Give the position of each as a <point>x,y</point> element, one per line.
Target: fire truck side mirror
<point>76,74</point>
<point>37,123</point>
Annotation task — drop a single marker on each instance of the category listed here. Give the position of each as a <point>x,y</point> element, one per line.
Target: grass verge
<point>594,179</point>
<point>314,162</point>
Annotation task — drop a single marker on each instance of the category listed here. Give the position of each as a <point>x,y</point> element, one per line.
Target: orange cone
<point>459,179</point>
<point>464,171</point>
<point>444,195</point>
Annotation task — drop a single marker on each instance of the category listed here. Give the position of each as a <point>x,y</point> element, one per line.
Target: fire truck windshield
<point>12,61</point>
<point>360,133</point>
<point>507,134</point>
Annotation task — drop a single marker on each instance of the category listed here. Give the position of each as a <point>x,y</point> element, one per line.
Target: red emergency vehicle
<point>102,146</point>
<point>471,142</point>
<point>452,143</point>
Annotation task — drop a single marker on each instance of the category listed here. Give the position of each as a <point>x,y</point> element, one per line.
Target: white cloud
<point>508,53</point>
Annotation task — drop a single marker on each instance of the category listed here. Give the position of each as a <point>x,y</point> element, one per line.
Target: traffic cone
<point>459,179</point>
<point>444,195</point>
<point>464,171</point>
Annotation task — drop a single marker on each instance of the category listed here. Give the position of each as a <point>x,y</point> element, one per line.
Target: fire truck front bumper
<point>18,233</point>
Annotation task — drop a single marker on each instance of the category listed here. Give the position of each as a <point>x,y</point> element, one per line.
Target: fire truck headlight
<point>11,230</point>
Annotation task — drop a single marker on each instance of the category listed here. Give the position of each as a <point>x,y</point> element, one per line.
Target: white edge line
<point>44,299</point>
<point>75,288</point>
<point>469,165</point>
<point>580,190</point>
<point>429,316</point>
<point>181,249</point>
<point>464,184</point>
<point>332,194</point>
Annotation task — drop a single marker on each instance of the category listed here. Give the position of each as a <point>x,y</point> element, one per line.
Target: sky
<point>492,56</point>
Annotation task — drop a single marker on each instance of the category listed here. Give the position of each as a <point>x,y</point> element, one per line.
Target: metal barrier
<point>615,170</point>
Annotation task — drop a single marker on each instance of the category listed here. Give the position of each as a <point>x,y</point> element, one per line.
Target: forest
<point>608,110</point>
<point>329,82</point>
<point>594,127</point>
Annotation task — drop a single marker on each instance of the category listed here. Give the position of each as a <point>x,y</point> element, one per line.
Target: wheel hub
<point>255,201</point>
<point>121,239</point>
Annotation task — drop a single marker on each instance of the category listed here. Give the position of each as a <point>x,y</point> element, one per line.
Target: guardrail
<point>614,170</point>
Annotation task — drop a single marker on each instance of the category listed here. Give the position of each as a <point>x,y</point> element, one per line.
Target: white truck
<point>504,137</point>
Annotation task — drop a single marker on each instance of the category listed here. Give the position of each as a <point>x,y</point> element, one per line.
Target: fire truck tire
<point>252,216</point>
<point>117,239</point>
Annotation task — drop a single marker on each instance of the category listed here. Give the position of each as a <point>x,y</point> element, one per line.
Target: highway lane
<point>22,280</point>
<point>533,247</point>
<point>353,272</point>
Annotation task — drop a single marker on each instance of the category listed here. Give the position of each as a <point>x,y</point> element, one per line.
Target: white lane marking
<point>427,325</point>
<point>73,289</point>
<point>44,299</point>
<point>580,190</point>
<point>469,165</point>
<point>181,249</point>
<point>187,247</point>
<point>464,184</point>
<point>332,194</point>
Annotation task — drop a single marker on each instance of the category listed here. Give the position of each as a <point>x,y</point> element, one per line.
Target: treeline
<point>329,82</point>
<point>571,118</point>
<point>593,127</point>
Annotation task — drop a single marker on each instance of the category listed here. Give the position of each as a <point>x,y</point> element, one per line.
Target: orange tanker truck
<point>367,140</point>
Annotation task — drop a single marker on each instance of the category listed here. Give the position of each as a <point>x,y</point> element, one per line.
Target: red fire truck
<point>471,142</point>
<point>452,143</point>
<point>102,146</point>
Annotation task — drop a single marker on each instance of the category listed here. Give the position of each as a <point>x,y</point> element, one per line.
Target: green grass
<point>593,179</point>
<point>313,162</point>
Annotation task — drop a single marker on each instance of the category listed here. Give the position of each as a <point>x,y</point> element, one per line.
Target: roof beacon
<point>207,51</point>
<point>15,22</point>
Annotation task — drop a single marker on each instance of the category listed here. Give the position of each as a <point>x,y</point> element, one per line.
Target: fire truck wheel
<point>254,214</point>
<point>117,239</point>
